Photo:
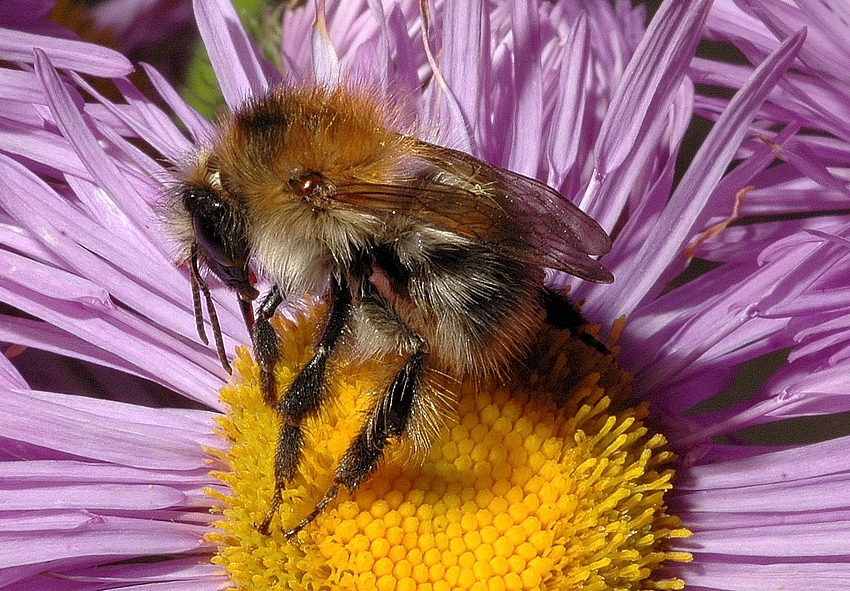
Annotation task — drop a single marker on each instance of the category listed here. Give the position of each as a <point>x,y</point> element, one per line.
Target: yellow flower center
<point>533,485</point>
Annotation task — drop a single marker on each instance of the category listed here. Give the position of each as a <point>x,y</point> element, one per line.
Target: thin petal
<point>647,266</point>
<point>86,58</point>
<point>231,52</point>
<point>172,439</point>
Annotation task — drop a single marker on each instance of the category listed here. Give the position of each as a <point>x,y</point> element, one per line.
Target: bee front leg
<point>304,397</point>
<point>389,420</point>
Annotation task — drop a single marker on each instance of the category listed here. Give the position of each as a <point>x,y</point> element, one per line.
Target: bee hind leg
<point>388,420</point>
<point>562,313</point>
<point>304,397</point>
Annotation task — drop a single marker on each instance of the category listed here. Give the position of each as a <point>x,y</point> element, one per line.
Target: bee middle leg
<point>562,313</point>
<point>304,396</point>
<point>388,420</point>
<point>266,347</point>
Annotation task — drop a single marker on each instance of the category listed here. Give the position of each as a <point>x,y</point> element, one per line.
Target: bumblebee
<point>421,251</point>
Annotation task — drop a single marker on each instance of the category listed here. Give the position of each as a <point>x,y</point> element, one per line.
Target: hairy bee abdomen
<point>475,310</point>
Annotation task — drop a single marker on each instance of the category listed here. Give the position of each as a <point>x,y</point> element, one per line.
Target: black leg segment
<point>304,396</point>
<point>266,348</point>
<point>389,420</point>
<point>561,313</point>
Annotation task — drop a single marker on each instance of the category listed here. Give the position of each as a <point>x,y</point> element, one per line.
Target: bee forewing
<point>515,215</point>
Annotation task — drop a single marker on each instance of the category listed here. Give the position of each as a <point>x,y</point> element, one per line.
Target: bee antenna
<point>194,281</point>
<point>198,286</point>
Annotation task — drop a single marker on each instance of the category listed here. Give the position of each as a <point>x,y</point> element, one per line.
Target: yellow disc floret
<point>532,485</point>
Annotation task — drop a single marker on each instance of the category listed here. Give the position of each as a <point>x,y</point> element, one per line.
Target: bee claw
<point>264,527</point>
<point>330,495</point>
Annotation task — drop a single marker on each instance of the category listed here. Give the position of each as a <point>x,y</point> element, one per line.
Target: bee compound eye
<point>213,225</point>
<point>211,241</point>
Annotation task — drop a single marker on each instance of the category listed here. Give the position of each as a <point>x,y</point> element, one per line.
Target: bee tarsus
<point>327,499</point>
<point>304,396</point>
<point>388,420</point>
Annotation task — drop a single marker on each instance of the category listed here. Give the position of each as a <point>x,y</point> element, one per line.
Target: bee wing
<point>515,215</point>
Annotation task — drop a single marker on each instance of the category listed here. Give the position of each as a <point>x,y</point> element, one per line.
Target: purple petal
<point>325,61</point>
<point>651,78</point>
<point>650,264</point>
<point>525,149</point>
<point>565,138</point>
<point>467,66</point>
<point>804,574</point>
<point>179,574</point>
<point>172,439</point>
<point>86,58</point>
<point>199,127</point>
<point>231,52</point>
<point>10,377</point>
<point>102,537</point>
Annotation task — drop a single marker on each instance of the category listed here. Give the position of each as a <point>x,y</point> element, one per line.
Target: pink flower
<point>100,492</point>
